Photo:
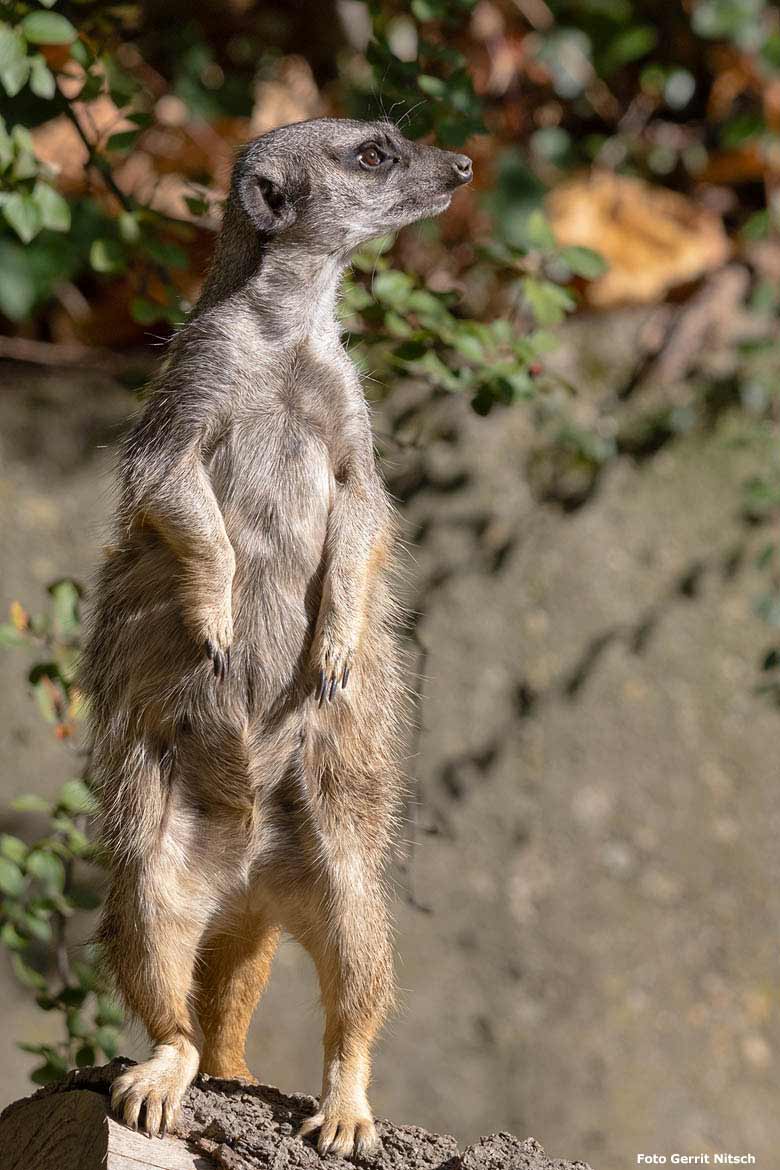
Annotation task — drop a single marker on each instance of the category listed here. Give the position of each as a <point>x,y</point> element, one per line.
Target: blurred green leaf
<point>76,797</point>
<point>584,262</point>
<point>14,76</point>
<point>12,47</point>
<point>42,81</point>
<point>50,1072</point>
<point>26,974</point>
<point>13,848</point>
<point>107,256</point>
<point>9,635</point>
<point>548,303</point>
<point>129,227</point>
<point>11,877</point>
<point>65,607</point>
<point>122,141</point>
<point>11,938</point>
<point>47,868</point>
<point>433,86</point>
<point>629,45</point>
<point>22,213</point>
<point>53,209</point>
<point>107,1038</point>
<point>109,1011</point>
<point>538,231</point>
<point>48,28</point>
<point>38,927</point>
<point>31,803</point>
<point>144,311</point>
<point>393,288</point>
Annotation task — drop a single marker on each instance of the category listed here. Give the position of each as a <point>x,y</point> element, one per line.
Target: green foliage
<point>113,237</point>
<point>405,328</point>
<point>46,880</point>
<point>422,78</point>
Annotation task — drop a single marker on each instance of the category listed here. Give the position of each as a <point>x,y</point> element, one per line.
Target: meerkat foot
<point>342,1131</point>
<point>158,1086</point>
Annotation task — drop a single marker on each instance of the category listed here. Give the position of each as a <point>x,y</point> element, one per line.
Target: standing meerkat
<point>242,661</point>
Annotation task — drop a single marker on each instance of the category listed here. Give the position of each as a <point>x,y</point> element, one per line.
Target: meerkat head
<point>331,184</point>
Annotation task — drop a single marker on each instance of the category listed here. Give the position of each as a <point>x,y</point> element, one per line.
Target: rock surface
<point>241,1127</point>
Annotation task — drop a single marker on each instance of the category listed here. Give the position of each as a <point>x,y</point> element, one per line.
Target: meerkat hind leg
<point>232,972</point>
<point>151,945</point>
<point>352,955</point>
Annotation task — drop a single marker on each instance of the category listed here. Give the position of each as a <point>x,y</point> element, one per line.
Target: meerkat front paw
<point>212,628</point>
<point>333,663</point>
<point>157,1086</point>
<point>342,1131</point>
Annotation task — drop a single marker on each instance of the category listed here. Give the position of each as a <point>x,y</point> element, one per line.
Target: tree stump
<point>224,1125</point>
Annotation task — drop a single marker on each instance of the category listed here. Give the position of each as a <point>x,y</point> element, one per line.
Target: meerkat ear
<point>266,201</point>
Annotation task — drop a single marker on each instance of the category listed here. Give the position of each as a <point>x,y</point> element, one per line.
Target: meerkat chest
<point>312,395</point>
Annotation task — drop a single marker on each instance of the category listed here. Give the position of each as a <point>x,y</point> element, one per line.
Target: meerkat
<point>242,660</point>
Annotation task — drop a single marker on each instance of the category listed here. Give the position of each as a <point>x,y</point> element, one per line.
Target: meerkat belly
<point>273,481</point>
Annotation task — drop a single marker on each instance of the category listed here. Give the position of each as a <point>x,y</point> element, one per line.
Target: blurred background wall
<point>588,905</point>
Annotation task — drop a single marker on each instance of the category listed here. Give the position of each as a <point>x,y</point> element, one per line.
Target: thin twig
<point>95,161</point>
<point>57,354</point>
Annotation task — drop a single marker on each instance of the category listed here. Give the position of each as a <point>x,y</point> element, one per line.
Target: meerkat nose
<point>462,166</point>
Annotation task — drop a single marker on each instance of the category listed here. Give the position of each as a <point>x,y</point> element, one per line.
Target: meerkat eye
<point>370,157</point>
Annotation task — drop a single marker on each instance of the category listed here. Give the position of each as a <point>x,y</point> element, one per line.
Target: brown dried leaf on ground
<point>653,239</point>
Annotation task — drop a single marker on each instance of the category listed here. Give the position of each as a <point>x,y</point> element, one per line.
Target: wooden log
<point>224,1125</point>
<point>74,1130</point>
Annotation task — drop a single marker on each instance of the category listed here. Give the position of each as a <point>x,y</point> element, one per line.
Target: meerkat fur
<point>242,661</point>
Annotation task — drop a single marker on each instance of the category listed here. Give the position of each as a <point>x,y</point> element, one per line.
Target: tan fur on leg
<point>231,977</point>
<point>150,948</point>
<point>352,954</point>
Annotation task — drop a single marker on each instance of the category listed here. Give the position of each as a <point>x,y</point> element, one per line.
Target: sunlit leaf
<point>47,868</point>
<point>27,975</point>
<point>22,214</point>
<point>107,256</point>
<point>42,81</point>
<point>11,877</point>
<point>54,210</point>
<point>48,28</point>
<point>76,797</point>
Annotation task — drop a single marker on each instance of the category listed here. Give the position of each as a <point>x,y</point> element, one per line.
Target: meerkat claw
<point>345,677</point>
<point>219,660</point>
<point>332,690</point>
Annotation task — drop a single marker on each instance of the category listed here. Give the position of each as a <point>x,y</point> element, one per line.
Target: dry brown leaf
<point>58,144</point>
<point>653,239</point>
<point>290,96</point>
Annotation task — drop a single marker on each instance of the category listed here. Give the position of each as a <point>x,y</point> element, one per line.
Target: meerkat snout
<point>462,166</point>
<point>334,183</point>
